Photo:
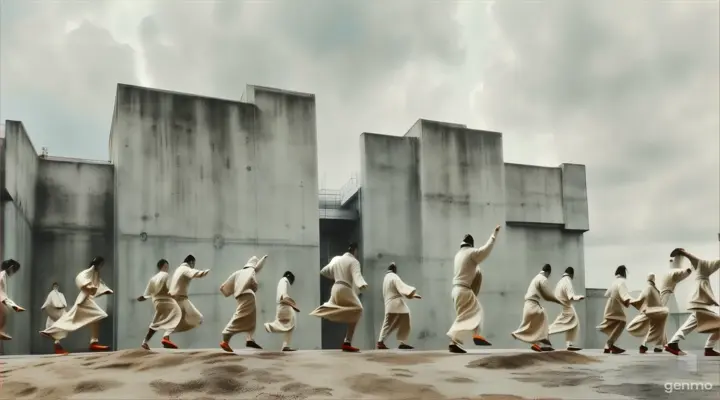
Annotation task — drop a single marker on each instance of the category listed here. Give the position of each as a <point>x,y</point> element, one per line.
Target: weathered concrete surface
<point>214,178</point>
<point>18,209</point>
<point>74,222</point>
<point>310,375</point>
<point>422,192</point>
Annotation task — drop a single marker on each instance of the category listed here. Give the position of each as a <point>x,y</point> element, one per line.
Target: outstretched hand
<point>141,298</point>
<point>18,309</point>
<point>497,229</point>
<point>581,298</point>
<point>417,296</point>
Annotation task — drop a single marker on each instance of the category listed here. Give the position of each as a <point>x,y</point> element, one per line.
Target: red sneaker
<point>98,347</point>
<point>674,349</point>
<point>535,347</point>
<point>226,346</point>
<point>59,350</point>
<point>168,344</point>
<point>381,346</point>
<point>480,341</point>
<point>348,348</point>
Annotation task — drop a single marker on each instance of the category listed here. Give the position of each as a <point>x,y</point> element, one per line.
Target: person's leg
<point>145,341</point>
<point>710,344</point>
<point>614,336</point>
<point>286,341</point>
<point>570,338</point>
<point>347,346</point>
<point>95,338</point>
<point>384,332</point>
<point>403,331</point>
<point>674,345</point>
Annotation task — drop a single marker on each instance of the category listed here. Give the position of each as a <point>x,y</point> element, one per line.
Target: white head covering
<point>677,262</point>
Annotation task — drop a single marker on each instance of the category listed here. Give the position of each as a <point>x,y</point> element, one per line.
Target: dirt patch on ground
<point>554,379</point>
<point>405,358</point>
<point>523,360</point>
<point>391,388</point>
<point>13,390</point>
<point>223,380</point>
<point>503,397</point>
<point>459,379</point>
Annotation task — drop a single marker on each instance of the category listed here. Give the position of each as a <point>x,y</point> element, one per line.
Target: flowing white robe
<point>4,301</point>
<point>534,326</point>
<point>55,305</point>
<point>397,313</point>
<point>85,311</point>
<point>344,304</point>
<point>568,320</point>
<point>242,285</point>
<point>703,300</point>
<point>614,319</point>
<point>652,318</point>
<point>168,313</point>
<point>285,312</point>
<point>179,286</point>
<point>467,281</point>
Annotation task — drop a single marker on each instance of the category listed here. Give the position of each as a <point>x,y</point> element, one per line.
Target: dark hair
<point>469,240</point>
<point>547,268</point>
<point>189,259</point>
<point>570,271</point>
<point>54,284</point>
<point>622,271</point>
<point>352,247</point>
<point>161,263</point>
<point>290,276</point>
<point>7,264</point>
<point>392,267</point>
<point>97,261</point>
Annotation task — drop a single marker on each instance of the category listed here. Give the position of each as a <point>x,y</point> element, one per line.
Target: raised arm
<point>679,275</point>
<point>260,263</point>
<point>480,254</point>
<point>193,273</point>
<point>357,277</point>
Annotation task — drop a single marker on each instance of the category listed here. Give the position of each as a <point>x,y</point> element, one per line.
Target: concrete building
<point>225,180</point>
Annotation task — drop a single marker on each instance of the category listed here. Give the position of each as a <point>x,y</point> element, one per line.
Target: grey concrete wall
<point>21,165</point>
<point>212,178</point>
<point>423,191</point>
<point>74,222</point>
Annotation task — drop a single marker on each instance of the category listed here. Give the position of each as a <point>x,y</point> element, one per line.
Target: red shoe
<point>616,350</point>
<point>226,346</point>
<point>710,352</point>
<point>168,344</point>
<point>606,351</point>
<point>98,347</point>
<point>348,348</point>
<point>59,350</point>
<point>536,347</point>
<point>381,346</point>
<point>480,341</point>
<point>674,349</point>
<point>643,349</point>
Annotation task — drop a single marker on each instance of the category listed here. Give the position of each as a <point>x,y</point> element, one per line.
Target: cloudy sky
<point>628,88</point>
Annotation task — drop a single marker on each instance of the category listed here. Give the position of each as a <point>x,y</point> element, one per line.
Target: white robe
<point>652,318</point>
<point>168,313</point>
<point>568,320</point>
<point>534,326</point>
<point>55,305</point>
<point>397,313</point>
<point>614,319</point>
<point>242,285</point>
<point>703,301</point>
<point>179,286</point>
<point>344,304</point>
<point>4,301</point>
<point>285,310</point>
<point>467,281</point>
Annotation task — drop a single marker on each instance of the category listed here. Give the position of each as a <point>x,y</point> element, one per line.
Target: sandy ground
<point>308,375</point>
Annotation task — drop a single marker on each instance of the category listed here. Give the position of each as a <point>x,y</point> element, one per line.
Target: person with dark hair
<point>242,285</point>
<point>55,306</point>
<point>8,268</point>
<point>344,305</point>
<point>285,311</point>
<point>668,281</point>
<point>567,321</point>
<point>534,326</point>
<point>85,311</point>
<point>614,320</point>
<point>178,289</point>
<point>397,313</point>
<point>467,281</point>
<point>167,311</point>
<point>703,317</point>
<point>650,323</point>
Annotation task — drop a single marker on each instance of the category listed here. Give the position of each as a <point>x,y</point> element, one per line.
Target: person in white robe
<point>397,313</point>
<point>179,287</point>
<point>667,284</point>
<point>286,308</point>
<point>467,281</point>
<point>650,323</point>
<point>85,311</point>
<point>534,328</point>
<point>704,318</point>
<point>242,285</point>
<point>344,304</point>
<point>168,313</point>
<point>54,306</point>
<point>9,268</point>
<point>614,319</point>
<point>568,320</point>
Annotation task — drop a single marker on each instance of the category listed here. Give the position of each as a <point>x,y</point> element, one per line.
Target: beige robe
<point>652,318</point>
<point>55,305</point>
<point>85,311</point>
<point>344,304</point>
<point>467,281</point>
<point>397,313</point>
<point>242,285</point>
<point>703,299</point>
<point>669,281</point>
<point>168,313</point>
<point>179,286</point>
<point>614,319</point>
<point>568,320</point>
<point>534,326</point>
<point>284,313</point>
<point>5,301</point>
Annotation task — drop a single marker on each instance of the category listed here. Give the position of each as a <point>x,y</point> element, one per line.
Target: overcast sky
<point>628,88</point>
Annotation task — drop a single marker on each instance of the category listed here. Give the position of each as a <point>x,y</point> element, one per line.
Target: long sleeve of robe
<point>90,285</point>
<point>3,291</point>
<point>54,299</point>
<point>180,282</point>
<point>703,297</point>
<point>394,292</point>
<point>240,282</point>
<point>480,254</point>
<point>617,295</point>
<point>158,286</point>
